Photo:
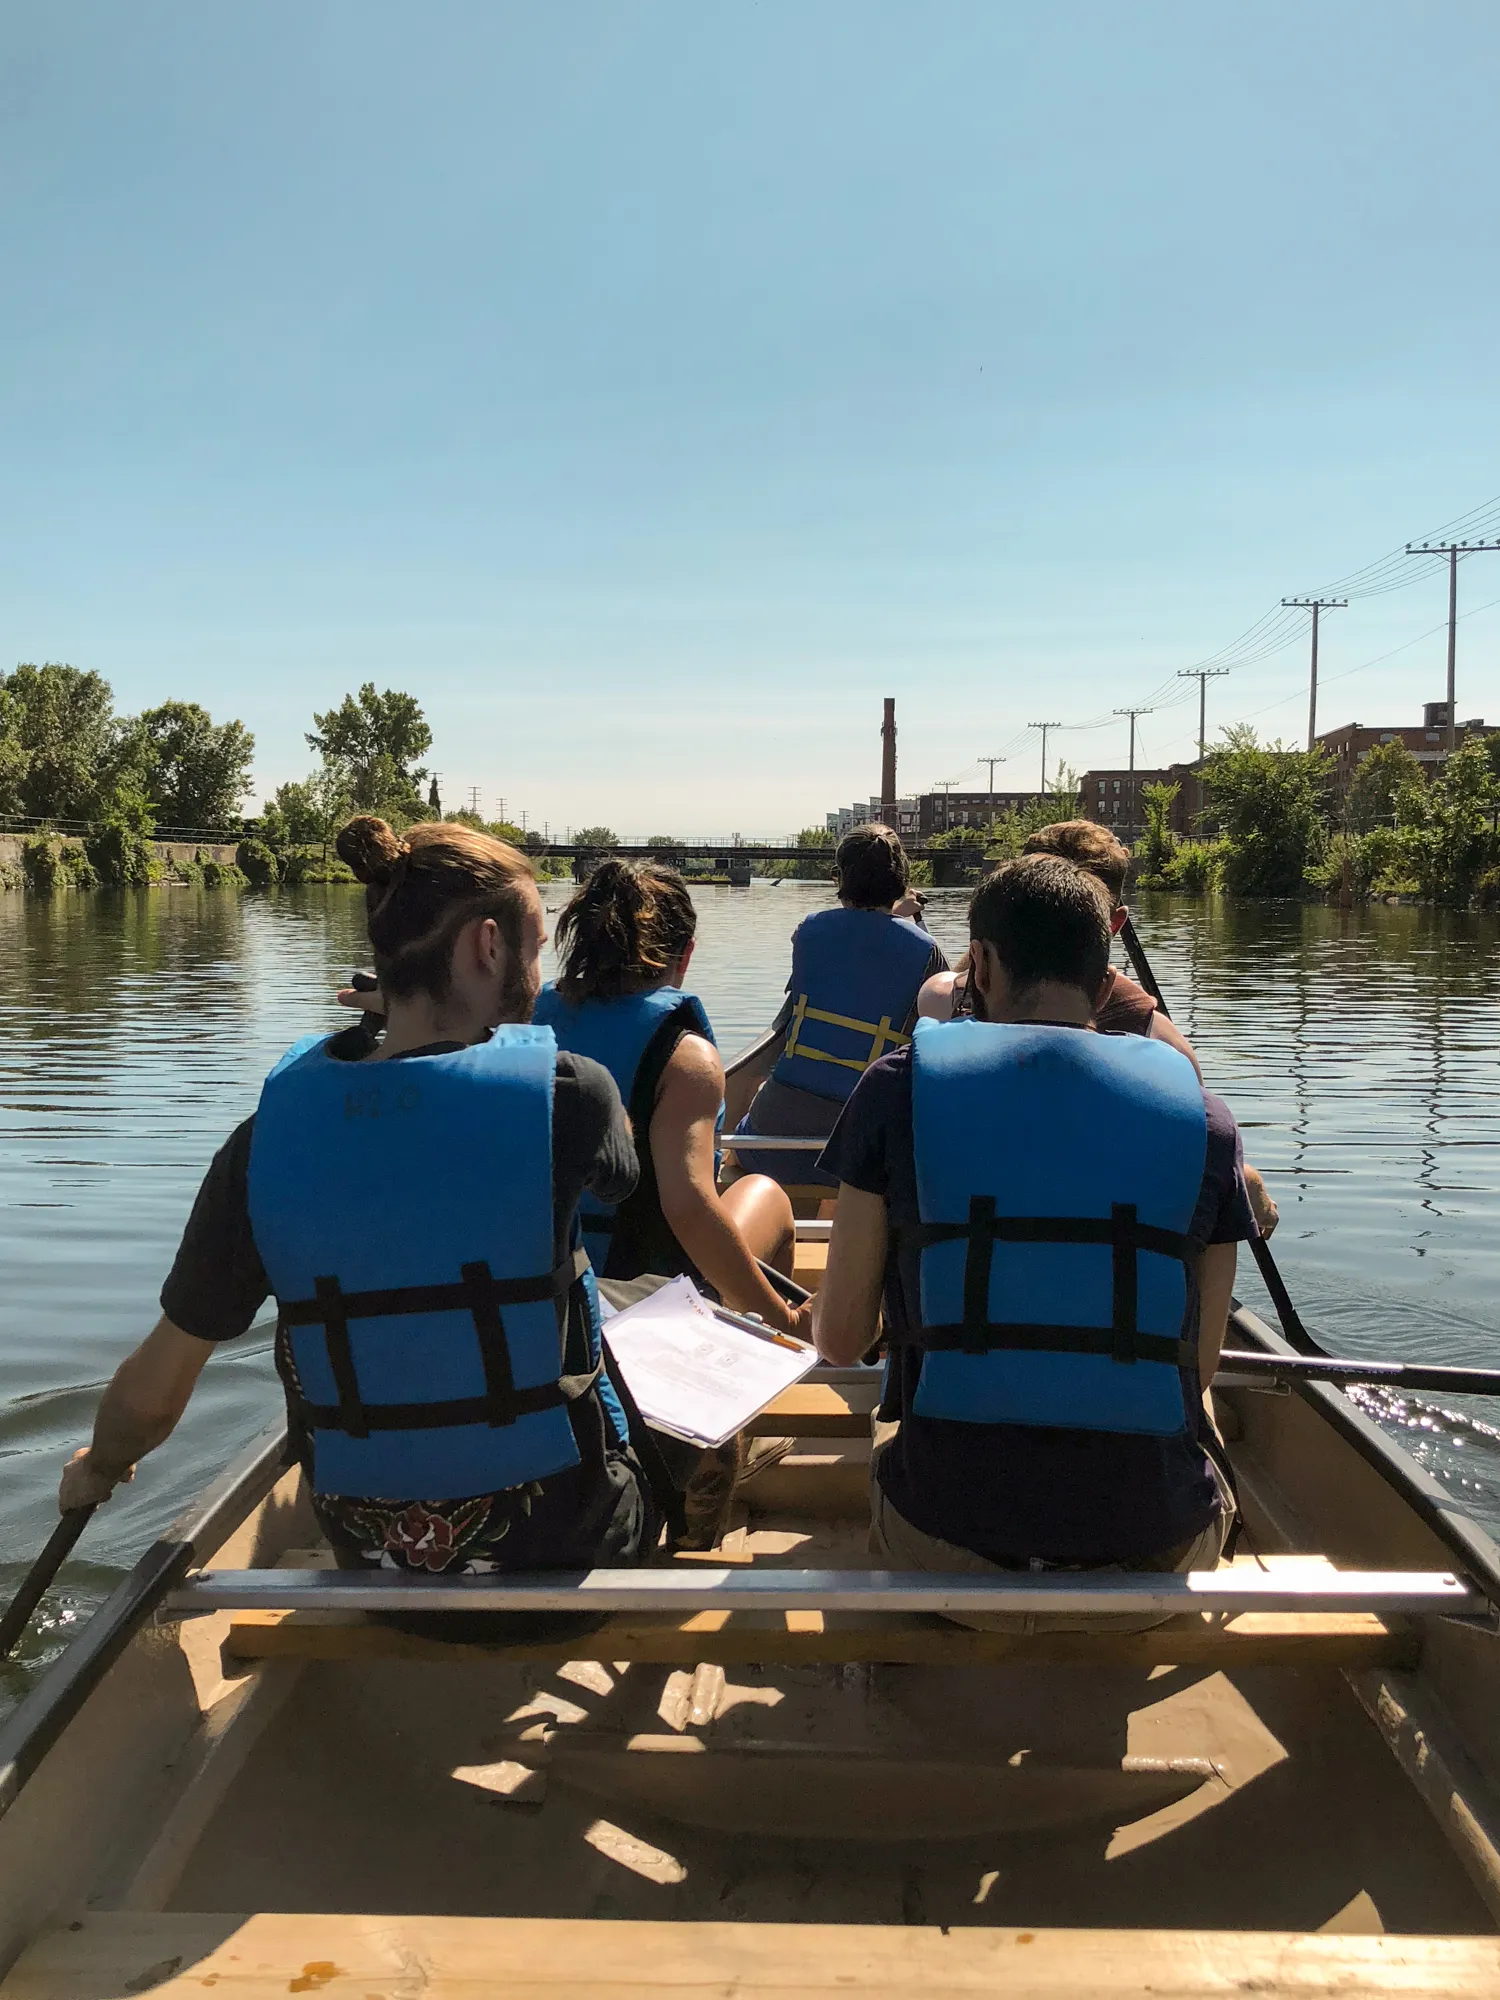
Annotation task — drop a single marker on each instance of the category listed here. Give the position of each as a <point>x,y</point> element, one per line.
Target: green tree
<point>194,771</point>
<point>1269,804</point>
<point>310,812</point>
<point>1452,823</point>
<point>1380,776</point>
<point>373,741</point>
<point>58,741</point>
<point>434,803</point>
<point>1065,801</point>
<point>596,836</point>
<point>1160,843</point>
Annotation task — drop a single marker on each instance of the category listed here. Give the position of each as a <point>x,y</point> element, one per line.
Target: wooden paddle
<point>1260,1249</point>
<point>1417,1376</point>
<point>17,1615</point>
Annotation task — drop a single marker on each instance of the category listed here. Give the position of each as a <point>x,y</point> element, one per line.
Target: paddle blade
<point>17,1615</point>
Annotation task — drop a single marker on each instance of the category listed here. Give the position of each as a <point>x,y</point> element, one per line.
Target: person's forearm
<point>145,1398</point>
<point>720,1253</point>
<point>128,1424</point>
<point>1215,1296</point>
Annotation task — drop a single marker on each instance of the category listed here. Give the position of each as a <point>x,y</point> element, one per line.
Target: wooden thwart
<point>1352,1639</point>
<point>811,1409</point>
<point>523,1958</point>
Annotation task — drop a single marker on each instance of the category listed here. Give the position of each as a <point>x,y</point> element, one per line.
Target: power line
<point>1202,675</point>
<point>1133,713</point>
<point>1452,550</point>
<point>1315,605</point>
<point>1044,727</point>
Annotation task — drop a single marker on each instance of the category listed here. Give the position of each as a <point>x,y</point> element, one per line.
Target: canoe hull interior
<point>1114,1792</point>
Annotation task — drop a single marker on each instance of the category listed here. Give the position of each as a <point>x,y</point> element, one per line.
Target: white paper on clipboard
<point>693,1374</point>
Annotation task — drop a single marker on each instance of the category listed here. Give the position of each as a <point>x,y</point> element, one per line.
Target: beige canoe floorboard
<point>110,1957</point>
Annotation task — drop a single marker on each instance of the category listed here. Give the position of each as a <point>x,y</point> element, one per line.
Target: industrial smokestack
<point>888,763</point>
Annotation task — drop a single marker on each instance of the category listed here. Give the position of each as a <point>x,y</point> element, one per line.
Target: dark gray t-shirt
<point>218,1283</point>
<point>1010,1492</point>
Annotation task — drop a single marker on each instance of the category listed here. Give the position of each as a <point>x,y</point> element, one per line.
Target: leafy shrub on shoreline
<point>49,864</point>
<point>1195,868</point>
<point>223,875</point>
<point>307,864</point>
<point>259,864</point>
<point>122,858</point>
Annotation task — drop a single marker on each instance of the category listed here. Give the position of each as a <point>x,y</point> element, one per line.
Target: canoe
<point>772,1770</point>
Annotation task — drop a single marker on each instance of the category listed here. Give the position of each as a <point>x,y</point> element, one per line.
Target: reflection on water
<point>1357,1049</point>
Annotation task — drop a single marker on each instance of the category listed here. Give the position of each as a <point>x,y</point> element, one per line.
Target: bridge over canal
<point>950,865</point>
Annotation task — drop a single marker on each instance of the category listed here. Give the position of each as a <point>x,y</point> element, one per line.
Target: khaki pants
<point>898,1545</point>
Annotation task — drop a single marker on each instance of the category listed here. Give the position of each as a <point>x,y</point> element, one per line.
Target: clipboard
<point>698,1371</point>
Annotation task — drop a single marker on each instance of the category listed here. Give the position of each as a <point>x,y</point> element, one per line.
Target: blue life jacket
<point>617,1033</point>
<point>856,975</point>
<point>403,1212</point>
<point>1057,1175</point>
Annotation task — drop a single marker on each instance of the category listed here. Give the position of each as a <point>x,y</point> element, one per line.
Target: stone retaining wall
<point>165,850</point>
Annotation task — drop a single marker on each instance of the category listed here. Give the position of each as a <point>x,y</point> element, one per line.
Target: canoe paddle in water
<point>1260,1249</point>
<point>17,1616</point>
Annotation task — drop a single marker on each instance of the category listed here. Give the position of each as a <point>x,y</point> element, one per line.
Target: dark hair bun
<point>370,848</point>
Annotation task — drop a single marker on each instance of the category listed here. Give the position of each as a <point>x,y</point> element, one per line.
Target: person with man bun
<point>412,1206</point>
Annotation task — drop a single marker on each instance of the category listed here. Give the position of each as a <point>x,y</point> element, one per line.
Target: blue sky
<point>651,388</point>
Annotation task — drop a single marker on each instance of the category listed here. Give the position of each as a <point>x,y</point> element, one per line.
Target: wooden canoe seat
<point>1298,1610</point>
<point>809,1263</point>
<point>816,1410</point>
<point>110,1953</point>
<point>1348,1639</point>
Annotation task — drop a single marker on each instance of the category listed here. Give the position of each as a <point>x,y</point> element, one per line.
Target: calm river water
<point>1359,1052</point>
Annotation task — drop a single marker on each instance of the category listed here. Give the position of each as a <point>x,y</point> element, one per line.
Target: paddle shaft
<point>1417,1376</point>
<point>17,1615</point>
<point>1260,1249</point>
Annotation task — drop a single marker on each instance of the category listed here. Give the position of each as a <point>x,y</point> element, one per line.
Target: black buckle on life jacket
<point>1123,1234</point>
<point>480,1295</point>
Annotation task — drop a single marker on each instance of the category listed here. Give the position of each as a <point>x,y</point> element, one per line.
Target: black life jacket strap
<point>1122,1233</point>
<point>1039,1337</point>
<point>480,1295</point>
<point>664,1489</point>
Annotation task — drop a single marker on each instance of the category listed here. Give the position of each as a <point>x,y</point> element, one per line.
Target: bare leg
<point>763,1215</point>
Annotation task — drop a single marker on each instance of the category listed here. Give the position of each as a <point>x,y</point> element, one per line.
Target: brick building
<point>1428,743</point>
<point>939,812</point>
<point>1113,798</point>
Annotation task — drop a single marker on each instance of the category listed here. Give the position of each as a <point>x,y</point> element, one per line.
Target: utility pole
<point>1044,727</point>
<point>1202,675</point>
<point>1314,605</point>
<point>474,800</point>
<point>1133,713</point>
<point>1452,550</point>
<point>500,811</point>
<point>992,762</point>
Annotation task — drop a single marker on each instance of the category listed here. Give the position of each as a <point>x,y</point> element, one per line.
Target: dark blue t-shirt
<point>1010,1492</point>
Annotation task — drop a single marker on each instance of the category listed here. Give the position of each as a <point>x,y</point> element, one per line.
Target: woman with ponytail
<point>624,943</point>
<point>412,1206</point>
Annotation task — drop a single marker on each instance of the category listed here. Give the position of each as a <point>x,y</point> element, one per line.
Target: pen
<point>759,1328</point>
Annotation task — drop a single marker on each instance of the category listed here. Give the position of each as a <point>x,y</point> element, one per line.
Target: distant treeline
<point>1274,824</point>
<point>92,793</point>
